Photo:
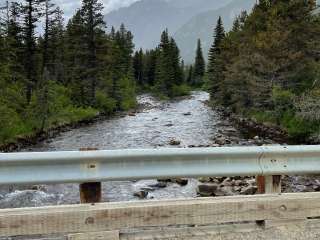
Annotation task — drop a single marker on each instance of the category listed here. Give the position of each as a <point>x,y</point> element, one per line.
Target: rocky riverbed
<point>185,123</point>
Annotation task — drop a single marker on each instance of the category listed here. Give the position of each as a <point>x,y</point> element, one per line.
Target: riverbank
<point>28,140</point>
<point>252,127</point>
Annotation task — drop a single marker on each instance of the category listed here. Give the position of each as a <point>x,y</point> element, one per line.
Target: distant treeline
<point>67,74</point>
<point>162,71</point>
<point>267,66</point>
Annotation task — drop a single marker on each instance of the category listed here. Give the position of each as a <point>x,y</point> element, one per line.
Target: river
<point>188,120</point>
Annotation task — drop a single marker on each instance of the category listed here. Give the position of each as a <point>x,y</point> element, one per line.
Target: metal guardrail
<point>99,166</point>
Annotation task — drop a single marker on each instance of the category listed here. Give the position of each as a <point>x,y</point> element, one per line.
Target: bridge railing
<point>191,217</point>
<point>99,166</point>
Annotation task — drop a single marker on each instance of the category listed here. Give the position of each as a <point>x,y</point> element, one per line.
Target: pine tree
<point>49,11</point>
<point>164,74</point>
<point>169,73</point>
<point>199,66</point>
<point>32,11</point>
<point>150,66</point>
<point>57,47</point>
<point>236,24</point>
<point>76,60</point>
<point>94,26</point>
<point>183,70</point>
<point>175,59</point>
<point>112,33</point>
<point>214,65</point>
<point>138,66</point>
<point>15,42</point>
<point>122,72</point>
<point>190,75</point>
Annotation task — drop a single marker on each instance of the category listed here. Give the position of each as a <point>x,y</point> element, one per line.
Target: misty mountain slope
<point>147,18</point>
<point>202,26</point>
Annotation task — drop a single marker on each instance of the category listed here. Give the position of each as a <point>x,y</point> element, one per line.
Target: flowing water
<point>188,120</point>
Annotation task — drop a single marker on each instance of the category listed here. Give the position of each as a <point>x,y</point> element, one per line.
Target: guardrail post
<point>261,182</point>
<point>273,184</point>
<point>90,192</point>
<point>268,185</point>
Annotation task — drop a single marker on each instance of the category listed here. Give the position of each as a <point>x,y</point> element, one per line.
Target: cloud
<point>115,4</point>
<point>69,6</point>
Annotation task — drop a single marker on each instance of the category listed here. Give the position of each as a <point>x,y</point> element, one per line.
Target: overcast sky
<point>69,6</point>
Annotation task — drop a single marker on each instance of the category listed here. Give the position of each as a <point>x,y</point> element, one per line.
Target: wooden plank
<point>300,230</point>
<point>108,216</point>
<point>109,235</point>
<point>203,232</point>
<point>284,230</point>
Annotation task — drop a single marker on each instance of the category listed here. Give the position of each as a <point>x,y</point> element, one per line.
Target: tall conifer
<point>199,65</point>
<point>215,68</point>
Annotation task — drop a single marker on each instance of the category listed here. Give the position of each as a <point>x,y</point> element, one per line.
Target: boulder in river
<point>160,184</point>
<point>181,181</point>
<point>207,190</point>
<point>315,188</point>
<point>222,141</point>
<point>250,190</point>
<point>174,142</point>
<point>224,191</point>
<point>141,194</point>
<point>205,179</point>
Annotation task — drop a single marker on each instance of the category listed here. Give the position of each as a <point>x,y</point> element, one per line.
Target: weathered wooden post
<point>260,180</point>
<point>268,185</point>
<point>90,192</point>
<point>273,184</point>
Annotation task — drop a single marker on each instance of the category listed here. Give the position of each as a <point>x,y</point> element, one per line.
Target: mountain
<point>202,26</point>
<point>148,18</point>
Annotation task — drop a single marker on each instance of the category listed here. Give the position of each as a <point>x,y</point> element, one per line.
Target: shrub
<point>105,103</point>
<point>180,90</point>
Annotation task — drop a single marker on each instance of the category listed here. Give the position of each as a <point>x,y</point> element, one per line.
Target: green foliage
<point>181,90</point>
<point>127,93</point>
<point>267,66</point>
<point>160,69</point>
<point>105,103</point>
<point>297,127</point>
<point>262,117</point>
<point>12,125</point>
<point>199,67</point>
<point>22,122</point>
<point>215,66</point>
<point>69,74</point>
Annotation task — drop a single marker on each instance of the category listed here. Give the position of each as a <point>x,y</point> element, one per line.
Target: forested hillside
<point>201,25</point>
<point>66,74</point>
<point>146,18</point>
<point>267,66</point>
